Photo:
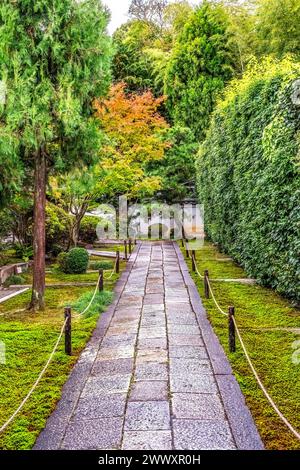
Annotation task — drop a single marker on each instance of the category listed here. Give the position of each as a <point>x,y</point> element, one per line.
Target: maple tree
<point>135,131</point>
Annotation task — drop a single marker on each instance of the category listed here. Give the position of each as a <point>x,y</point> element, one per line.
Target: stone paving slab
<point>145,416</point>
<point>149,391</point>
<point>147,440</point>
<point>154,376</point>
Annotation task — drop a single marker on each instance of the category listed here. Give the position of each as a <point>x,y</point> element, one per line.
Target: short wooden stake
<point>231,329</point>
<point>193,261</point>
<point>206,286</point>
<point>130,246</point>
<point>101,280</point>
<point>118,263</point>
<point>125,249</point>
<point>68,331</point>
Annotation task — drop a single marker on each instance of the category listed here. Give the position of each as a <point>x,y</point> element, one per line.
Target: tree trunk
<point>39,234</point>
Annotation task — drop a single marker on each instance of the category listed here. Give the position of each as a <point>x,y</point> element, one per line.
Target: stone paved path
<point>154,375</point>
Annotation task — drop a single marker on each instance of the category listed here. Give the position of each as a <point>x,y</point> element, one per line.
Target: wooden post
<point>101,280</point>
<point>231,329</point>
<point>68,332</point>
<point>193,261</point>
<point>125,249</point>
<point>130,246</point>
<point>118,263</point>
<point>206,286</point>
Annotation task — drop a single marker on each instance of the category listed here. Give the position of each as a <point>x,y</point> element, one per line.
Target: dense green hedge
<point>248,175</point>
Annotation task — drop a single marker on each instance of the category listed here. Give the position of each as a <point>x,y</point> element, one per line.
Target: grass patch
<point>101,301</point>
<point>106,265</point>
<point>262,316</point>
<point>29,339</point>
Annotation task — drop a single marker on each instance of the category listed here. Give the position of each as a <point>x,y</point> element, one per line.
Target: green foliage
<point>248,175</point>
<point>277,27</point>
<point>6,223</point>
<point>201,64</point>
<point>54,59</point>
<point>88,226</point>
<point>57,227</point>
<point>14,280</point>
<point>131,63</point>
<point>177,169</point>
<point>101,301</point>
<point>23,252</point>
<point>106,265</point>
<point>62,261</point>
<point>74,262</point>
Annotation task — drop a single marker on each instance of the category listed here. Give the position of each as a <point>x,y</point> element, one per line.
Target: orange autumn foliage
<point>135,132</point>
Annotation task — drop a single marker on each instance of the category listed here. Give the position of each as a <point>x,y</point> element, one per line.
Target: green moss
<point>262,316</point>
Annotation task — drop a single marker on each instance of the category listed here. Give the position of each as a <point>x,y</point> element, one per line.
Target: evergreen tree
<point>201,64</point>
<point>54,59</point>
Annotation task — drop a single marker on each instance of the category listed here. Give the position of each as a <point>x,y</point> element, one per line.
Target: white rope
<point>4,426</point>
<point>214,298</point>
<point>113,271</point>
<point>274,406</point>
<point>91,301</point>
<point>196,267</point>
<point>95,292</point>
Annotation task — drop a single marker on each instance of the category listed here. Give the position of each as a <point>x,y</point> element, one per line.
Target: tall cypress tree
<point>54,60</point>
<point>201,64</point>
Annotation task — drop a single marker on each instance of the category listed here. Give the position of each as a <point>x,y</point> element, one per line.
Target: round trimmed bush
<point>76,261</point>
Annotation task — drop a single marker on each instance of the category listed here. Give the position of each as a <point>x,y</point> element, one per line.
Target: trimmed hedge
<point>248,175</point>
<point>76,261</point>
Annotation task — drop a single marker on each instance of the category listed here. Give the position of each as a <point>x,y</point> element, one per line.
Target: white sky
<point>119,9</point>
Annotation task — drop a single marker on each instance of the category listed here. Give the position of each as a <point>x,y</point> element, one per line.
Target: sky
<point>119,10</point>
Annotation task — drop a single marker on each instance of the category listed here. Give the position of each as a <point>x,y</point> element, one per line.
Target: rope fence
<point>232,330</point>
<point>22,404</point>
<point>67,330</point>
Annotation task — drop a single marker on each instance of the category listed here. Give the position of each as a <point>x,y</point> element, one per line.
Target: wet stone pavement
<point>154,375</point>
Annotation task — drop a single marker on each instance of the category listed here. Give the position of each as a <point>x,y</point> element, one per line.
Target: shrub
<point>23,252</point>
<point>62,261</point>
<point>88,227</point>
<point>14,280</point>
<point>248,175</point>
<point>74,262</point>
<point>101,265</point>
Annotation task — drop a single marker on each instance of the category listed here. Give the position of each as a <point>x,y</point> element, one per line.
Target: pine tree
<point>54,59</point>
